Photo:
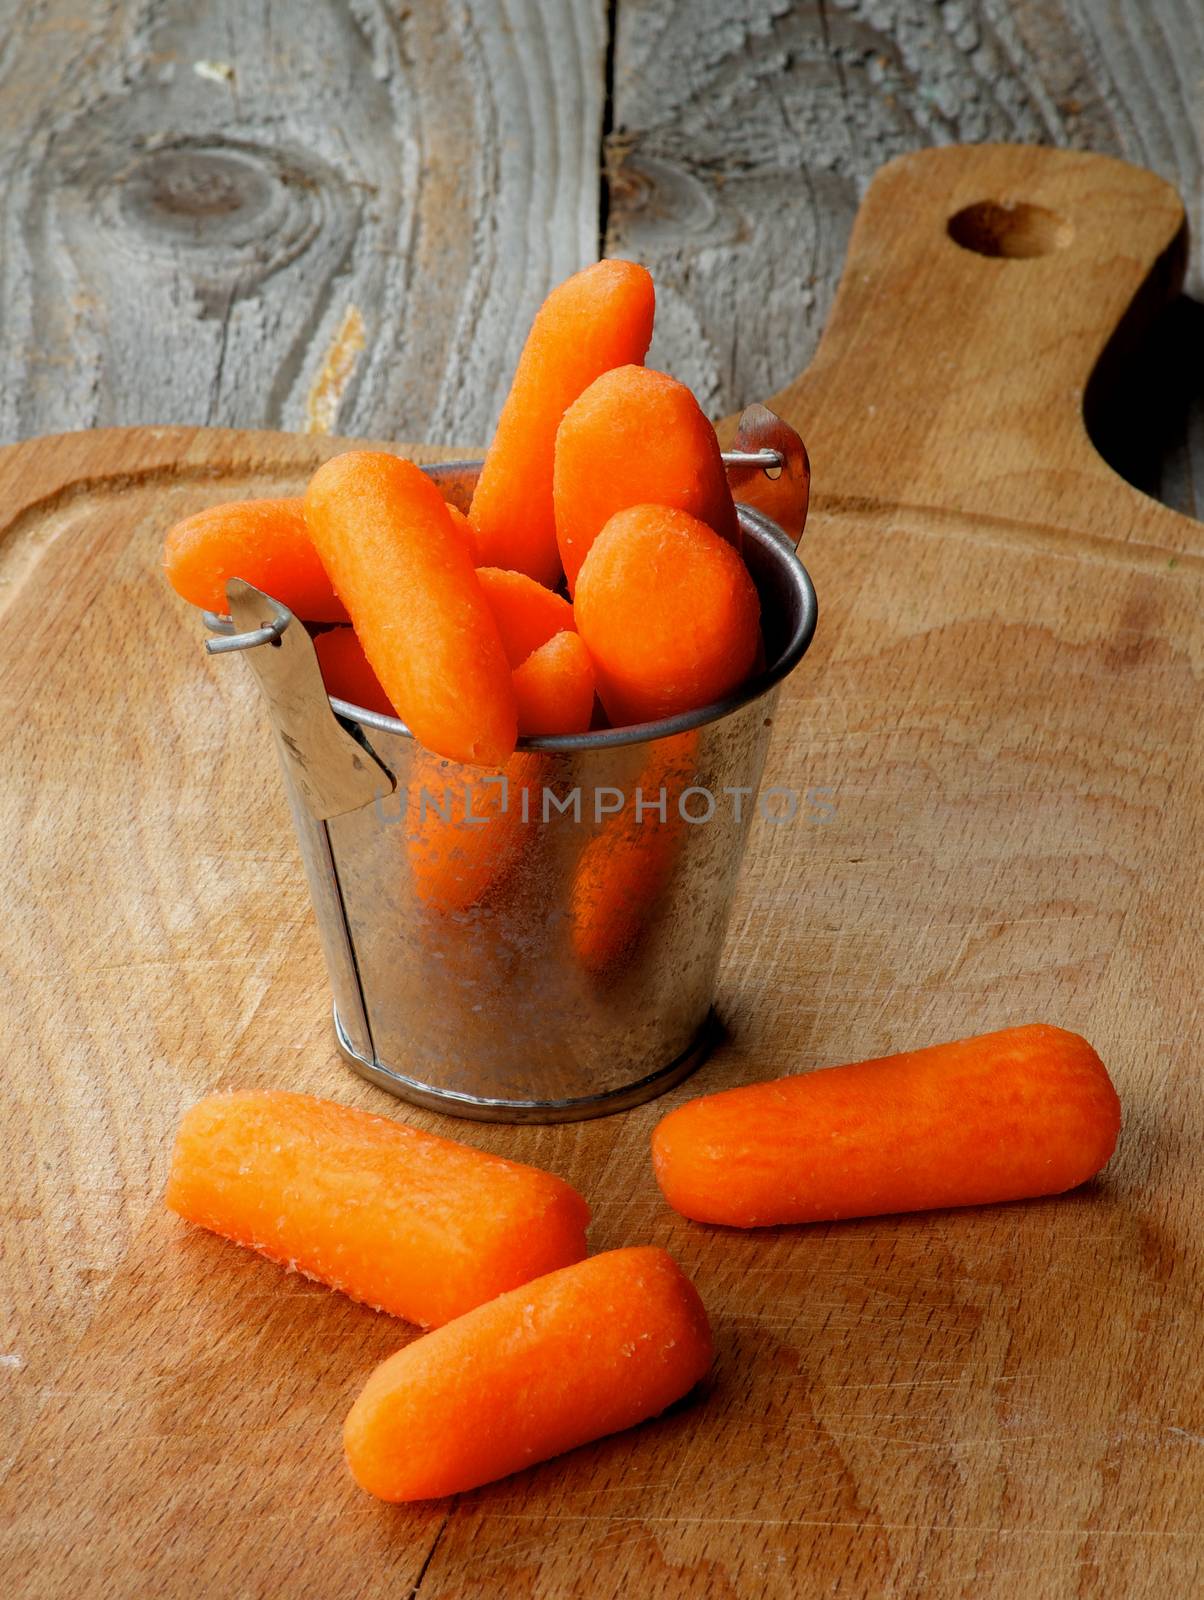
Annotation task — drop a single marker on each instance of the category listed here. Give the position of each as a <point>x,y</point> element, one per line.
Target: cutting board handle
<point>982,286</point>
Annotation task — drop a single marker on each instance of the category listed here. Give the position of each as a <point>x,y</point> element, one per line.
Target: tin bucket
<point>539,944</point>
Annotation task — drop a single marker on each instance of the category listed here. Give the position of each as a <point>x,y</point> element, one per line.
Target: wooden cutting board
<point>1004,705</point>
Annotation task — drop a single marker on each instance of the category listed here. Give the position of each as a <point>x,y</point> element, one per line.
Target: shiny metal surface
<point>539,943</point>
<point>332,772</point>
<point>499,959</point>
<point>782,495</point>
<point>478,1109</point>
<point>230,640</point>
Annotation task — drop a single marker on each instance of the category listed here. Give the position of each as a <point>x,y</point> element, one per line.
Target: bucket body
<point>539,943</point>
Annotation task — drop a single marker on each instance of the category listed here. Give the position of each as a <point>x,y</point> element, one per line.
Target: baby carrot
<point>554,688</point>
<point>465,529</point>
<point>527,614</point>
<point>402,1220</point>
<point>265,542</point>
<point>465,829</point>
<point>1005,1116</point>
<point>625,866</point>
<point>346,673</point>
<point>597,319</point>
<point>635,437</point>
<point>668,613</point>
<point>583,1352</point>
<point>384,534</point>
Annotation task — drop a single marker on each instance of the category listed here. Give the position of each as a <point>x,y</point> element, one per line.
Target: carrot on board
<point>668,613</point>
<point>584,1352</point>
<point>384,534</point>
<point>264,542</point>
<point>1004,1116</point>
<point>597,319</point>
<point>635,437</point>
<point>346,672</point>
<point>527,613</point>
<point>404,1221</point>
<point>554,688</point>
<point>626,865</point>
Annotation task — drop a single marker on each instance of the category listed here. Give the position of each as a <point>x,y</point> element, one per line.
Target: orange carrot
<point>1005,1116</point>
<point>625,866</point>
<point>465,529</point>
<point>346,673</point>
<point>527,614</point>
<point>554,688</point>
<point>668,614</point>
<point>264,542</point>
<point>635,437</point>
<point>586,1351</point>
<point>465,829</point>
<point>402,1220</point>
<point>384,534</point>
<point>597,319</point>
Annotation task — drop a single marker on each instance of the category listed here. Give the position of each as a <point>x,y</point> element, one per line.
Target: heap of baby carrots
<point>595,578</point>
<point>536,1348</point>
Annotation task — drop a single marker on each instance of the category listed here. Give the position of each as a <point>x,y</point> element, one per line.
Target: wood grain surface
<point>305,214</point>
<point>1004,701</point>
<point>254,214</point>
<point>745,135</point>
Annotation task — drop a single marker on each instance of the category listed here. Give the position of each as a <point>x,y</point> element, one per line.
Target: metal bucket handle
<point>331,769</point>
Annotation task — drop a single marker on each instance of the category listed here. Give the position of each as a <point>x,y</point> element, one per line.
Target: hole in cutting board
<point>1015,231</point>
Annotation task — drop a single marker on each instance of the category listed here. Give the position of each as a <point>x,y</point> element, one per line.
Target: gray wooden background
<point>340,216</point>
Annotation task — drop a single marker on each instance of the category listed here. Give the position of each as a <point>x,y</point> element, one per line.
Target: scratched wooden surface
<point>302,214</point>
<point>1004,698</point>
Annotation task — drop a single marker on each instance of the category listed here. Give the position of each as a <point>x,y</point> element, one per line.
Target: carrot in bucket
<point>465,832</point>
<point>635,437</point>
<point>384,534</point>
<point>527,614</point>
<point>554,688</point>
<point>264,542</point>
<point>668,613</point>
<point>599,318</point>
<point>346,672</point>
<point>625,867</point>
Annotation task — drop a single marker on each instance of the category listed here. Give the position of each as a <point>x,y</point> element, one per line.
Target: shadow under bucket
<point>538,944</point>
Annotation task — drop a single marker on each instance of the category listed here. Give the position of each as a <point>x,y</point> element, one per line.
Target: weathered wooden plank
<point>744,135</point>
<point>302,214</point>
<point>230,214</point>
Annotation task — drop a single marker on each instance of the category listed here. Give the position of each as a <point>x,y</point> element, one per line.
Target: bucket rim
<point>772,540</point>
